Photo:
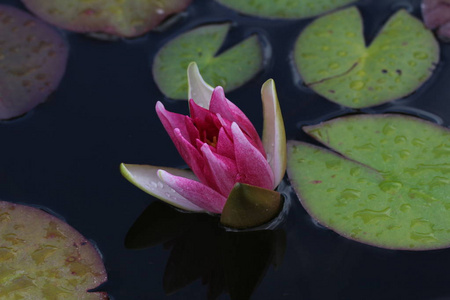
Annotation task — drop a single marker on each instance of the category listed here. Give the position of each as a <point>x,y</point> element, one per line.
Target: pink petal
<point>274,136</point>
<point>253,167</point>
<point>195,192</point>
<point>223,170</point>
<point>190,155</point>
<point>228,110</point>
<point>146,178</point>
<point>171,121</point>
<point>225,146</point>
<point>191,129</point>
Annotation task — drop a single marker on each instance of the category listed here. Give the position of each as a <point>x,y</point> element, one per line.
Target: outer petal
<point>195,192</point>
<point>274,136</point>
<point>225,146</point>
<point>146,178</point>
<point>199,90</point>
<point>253,167</point>
<point>223,170</point>
<point>171,121</point>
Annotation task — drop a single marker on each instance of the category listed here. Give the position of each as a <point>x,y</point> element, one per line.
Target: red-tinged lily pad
<point>284,9</point>
<point>436,15</point>
<point>33,58</point>
<point>230,69</point>
<point>116,17</point>
<point>331,56</point>
<point>388,186</point>
<point>41,257</point>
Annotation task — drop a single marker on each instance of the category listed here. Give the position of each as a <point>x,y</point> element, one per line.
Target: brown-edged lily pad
<point>284,9</point>
<point>126,18</point>
<point>436,15</point>
<point>41,257</point>
<point>389,186</point>
<point>33,58</point>
<point>332,58</point>
<point>229,69</point>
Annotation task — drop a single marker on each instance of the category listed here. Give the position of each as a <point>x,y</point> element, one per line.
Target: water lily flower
<point>221,147</point>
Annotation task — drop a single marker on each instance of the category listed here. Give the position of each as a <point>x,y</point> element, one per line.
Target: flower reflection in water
<point>226,262</point>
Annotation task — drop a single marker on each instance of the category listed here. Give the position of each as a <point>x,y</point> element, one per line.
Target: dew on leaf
<point>237,65</point>
<point>44,258</point>
<point>30,68</point>
<point>114,17</point>
<point>396,63</point>
<point>402,186</point>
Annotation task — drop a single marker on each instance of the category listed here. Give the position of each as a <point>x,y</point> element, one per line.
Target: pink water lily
<point>220,145</point>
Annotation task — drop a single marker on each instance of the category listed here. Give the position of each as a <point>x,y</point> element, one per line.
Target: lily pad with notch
<point>42,257</point>
<point>230,69</point>
<point>388,185</point>
<point>331,56</point>
<point>129,18</point>
<point>32,61</point>
<point>284,9</point>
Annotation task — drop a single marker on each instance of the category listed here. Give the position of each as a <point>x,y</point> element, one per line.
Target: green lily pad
<point>128,18</point>
<point>391,188</point>
<point>41,257</point>
<point>331,56</point>
<point>250,206</point>
<point>284,9</point>
<point>230,69</point>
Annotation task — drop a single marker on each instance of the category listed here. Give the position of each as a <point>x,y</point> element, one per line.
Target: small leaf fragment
<point>331,56</point>
<point>129,18</point>
<point>391,188</point>
<point>32,61</point>
<point>284,9</point>
<point>230,69</point>
<point>250,206</point>
<point>41,257</point>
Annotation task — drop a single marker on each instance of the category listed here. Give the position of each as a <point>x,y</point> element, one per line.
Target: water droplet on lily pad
<point>33,59</point>
<point>396,63</point>
<point>284,9</point>
<point>116,17</point>
<point>230,69</point>
<point>41,257</point>
<point>396,203</point>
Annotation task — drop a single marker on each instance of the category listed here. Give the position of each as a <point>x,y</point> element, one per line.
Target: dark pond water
<point>65,156</point>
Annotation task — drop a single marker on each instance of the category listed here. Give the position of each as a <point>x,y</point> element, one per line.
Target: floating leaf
<point>284,9</point>
<point>230,69</point>
<point>333,60</point>
<point>250,206</point>
<point>436,14</point>
<point>32,61</point>
<point>41,257</point>
<point>117,17</point>
<point>392,188</point>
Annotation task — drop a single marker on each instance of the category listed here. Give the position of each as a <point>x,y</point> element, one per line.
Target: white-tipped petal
<point>199,90</point>
<point>274,135</point>
<point>146,178</point>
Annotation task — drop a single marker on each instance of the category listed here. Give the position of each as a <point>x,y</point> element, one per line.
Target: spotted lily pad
<point>284,9</point>
<point>33,58</point>
<point>127,18</point>
<point>391,187</point>
<point>41,257</point>
<point>230,69</point>
<point>436,15</point>
<point>332,58</point>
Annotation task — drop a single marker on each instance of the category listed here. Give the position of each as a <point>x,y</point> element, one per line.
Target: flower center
<point>212,143</point>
